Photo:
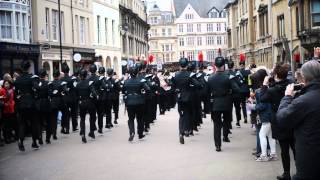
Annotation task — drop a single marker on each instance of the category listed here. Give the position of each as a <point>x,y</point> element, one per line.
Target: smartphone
<point>297,87</point>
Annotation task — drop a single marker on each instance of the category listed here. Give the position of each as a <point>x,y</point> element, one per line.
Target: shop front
<point>87,57</point>
<point>12,54</point>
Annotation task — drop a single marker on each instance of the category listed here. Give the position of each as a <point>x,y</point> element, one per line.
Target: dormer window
<point>213,14</point>
<point>189,16</point>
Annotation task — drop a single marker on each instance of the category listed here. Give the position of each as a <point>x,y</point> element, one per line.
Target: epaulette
<point>192,74</point>
<point>91,82</point>
<point>63,83</point>
<point>143,80</point>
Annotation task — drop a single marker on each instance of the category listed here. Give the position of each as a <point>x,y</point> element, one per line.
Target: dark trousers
<point>153,108</point>
<point>237,106</point>
<point>285,154</point>
<point>92,113</point>
<point>45,121</point>
<point>73,109</point>
<point>26,116</point>
<point>101,110</point>
<point>9,125</point>
<point>244,106</point>
<point>185,114</point>
<point>135,111</point>
<point>218,124</point>
<point>115,107</point>
<point>108,110</point>
<point>54,122</point>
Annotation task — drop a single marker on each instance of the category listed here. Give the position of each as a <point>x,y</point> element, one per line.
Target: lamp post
<point>60,38</point>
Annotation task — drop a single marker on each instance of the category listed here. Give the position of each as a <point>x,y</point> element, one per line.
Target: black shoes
<point>84,140</point>
<point>131,137</point>
<point>100,131</point>
<point>218,148</point>
<point>91,134</point>
<point>238,125</point>
<point>35,145</point>
<point>284,176</point>
<point>75,129</point>
<point>63,131</point>
<point>181,139</point>
<point>40,141</point>
<point>245,121</point>
<point>226,139</point>
<point>115,122</point>
<point>141,136</point>
<point>48,141</point>
<point>21,146</point>
<point>54,137</point>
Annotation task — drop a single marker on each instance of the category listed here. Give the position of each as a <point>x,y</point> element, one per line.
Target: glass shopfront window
<point>315,13</point>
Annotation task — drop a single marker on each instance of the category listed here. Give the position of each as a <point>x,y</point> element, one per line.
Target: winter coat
<point>9,102</point>
<point>303,115</point>
<point>264,109</point>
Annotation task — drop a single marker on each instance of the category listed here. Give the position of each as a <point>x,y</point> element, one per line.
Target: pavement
<point>158,157</point>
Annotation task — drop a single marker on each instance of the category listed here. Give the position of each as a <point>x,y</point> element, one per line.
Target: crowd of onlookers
<point>286,109</point>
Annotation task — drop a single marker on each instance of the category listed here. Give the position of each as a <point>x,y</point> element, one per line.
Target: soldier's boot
<point>181,139</point>
<point>21,146</point>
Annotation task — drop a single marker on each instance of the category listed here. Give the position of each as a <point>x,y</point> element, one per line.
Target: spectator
<point>272,92</point>
<point>8,112</point>
<point>265,113</point>
<point>302,114</point>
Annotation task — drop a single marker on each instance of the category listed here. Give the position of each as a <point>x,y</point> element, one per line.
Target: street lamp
<point>60,38</point>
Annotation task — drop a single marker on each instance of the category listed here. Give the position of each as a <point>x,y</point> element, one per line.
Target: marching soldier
<point>236,97</point>
<point>101,107</point>
<point>184,82</point>
<point>243,75</point>
<point>96,85</point>
<point>111,90</point>
<point>204,97</point>
<point>56,92</point>
<point>115,101</point>
<point>69,99</point>
<point>43,106</point>
<point>24,88</point>
<point>87,97</point>
<point>134,90</point>
<point>221,88</point>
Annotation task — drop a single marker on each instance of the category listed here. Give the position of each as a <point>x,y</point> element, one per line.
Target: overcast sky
<point>164,5</point>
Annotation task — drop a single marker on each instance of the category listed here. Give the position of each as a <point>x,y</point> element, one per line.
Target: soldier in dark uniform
<point>96,85</point>
<point>24,88</point>
<point>56,92</point>
<point>69,99</point>
<point>43,106</point>
<point>87,96</point>
<point>134,90</point>
<point>101,107</point>
<point>183,83</point>
<point>221,87</point>
<point>115,101</point>
<point>243,75</point>
<point>111,96</point>
<point>236,97</point>
<point>155,87</point>
<point>204,96</point>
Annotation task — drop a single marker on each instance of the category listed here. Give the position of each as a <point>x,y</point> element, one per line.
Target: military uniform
<point>183,83</point>
<point>87,97</point>
<point>25,101</point>
<point>43,107</point>
<point>134,90</point>
<point>221,88</point>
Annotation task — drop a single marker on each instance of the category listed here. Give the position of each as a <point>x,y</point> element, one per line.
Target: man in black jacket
<point>221,88</point>
<point>24,89</point>
<point>302,114</point>
<point>134,90</point>
<point>243,75</point>
<point>183,82</point>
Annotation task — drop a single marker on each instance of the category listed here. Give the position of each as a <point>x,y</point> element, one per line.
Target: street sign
<point>77,57</point>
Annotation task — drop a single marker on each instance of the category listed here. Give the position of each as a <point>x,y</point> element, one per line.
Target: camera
<point>298,87</point>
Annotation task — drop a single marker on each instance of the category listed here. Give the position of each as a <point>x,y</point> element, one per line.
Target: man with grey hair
<point>302,114</point>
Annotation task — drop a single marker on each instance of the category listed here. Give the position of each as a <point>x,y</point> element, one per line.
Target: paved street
<point>158,157</point>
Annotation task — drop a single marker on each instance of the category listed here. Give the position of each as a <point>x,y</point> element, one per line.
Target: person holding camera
<point>302,114</point>
<point>272,91</point>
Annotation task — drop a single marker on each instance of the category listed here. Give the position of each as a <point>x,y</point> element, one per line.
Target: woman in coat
<point>303,115</point>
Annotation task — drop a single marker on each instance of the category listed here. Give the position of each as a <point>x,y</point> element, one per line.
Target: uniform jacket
<point>134,90</point>
<point>24,91</point>
<point>303,115</point>
<point>221,88</point>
